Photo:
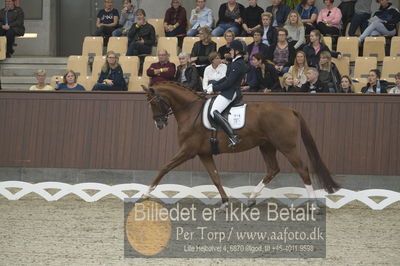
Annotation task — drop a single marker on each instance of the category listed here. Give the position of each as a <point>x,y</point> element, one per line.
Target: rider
<point>229,88</point>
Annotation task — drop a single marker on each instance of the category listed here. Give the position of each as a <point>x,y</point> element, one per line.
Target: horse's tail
<point>322,172</point>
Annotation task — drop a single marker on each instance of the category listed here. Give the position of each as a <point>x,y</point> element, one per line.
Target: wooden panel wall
<point>356,134</point>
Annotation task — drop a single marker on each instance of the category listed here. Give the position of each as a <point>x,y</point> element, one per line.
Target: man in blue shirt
<point>126,20</point>
<point>201,16</point>
<point>280,12</point>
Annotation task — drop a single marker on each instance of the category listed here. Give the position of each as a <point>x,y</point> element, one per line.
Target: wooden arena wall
<point>356,134</point>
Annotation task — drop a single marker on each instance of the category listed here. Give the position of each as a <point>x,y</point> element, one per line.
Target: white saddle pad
<point>236,116</point>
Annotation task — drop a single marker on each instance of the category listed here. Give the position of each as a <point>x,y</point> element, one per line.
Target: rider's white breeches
<point>220,104</point>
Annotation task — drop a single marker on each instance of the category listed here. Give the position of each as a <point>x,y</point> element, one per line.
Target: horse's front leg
<point>182,156</point>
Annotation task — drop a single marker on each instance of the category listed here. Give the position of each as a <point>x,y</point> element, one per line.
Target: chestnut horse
<point>270,126</point>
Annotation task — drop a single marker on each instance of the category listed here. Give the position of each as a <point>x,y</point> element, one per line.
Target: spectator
<point>230,17</point>
<point>215,71</point>
<point>396,90</point>
<point>282,54</point>
<point>126,20</point>
<point>224,51</point>
<point>375,85</point>
<point>111,76</point>
<point>315,47</point>
<point>41,79</point>
<point>201,16</point>
<point>347,9</point>
<point>12,21</point>
<point>362,12</point>
<point>286,84</point>
<point>187,74</point>
<point>252,18</point>
<point>328,72</point>
<point>329,19</point>
<point>257,46</point>
<point>69,82</point>
<point>266,74</point>
<point>309,14</point>
<point>270,35</point>
<point>280,12</point>
<point>107,21</point>
<point>142,36</point>
<point>313,84</point>
<point>346,85</point>
<point>383,22</point>
<point>295,29</point>
<point>201,49</point>
<point>299,69</point>
<point>175,19</point>
<point>163,70</point>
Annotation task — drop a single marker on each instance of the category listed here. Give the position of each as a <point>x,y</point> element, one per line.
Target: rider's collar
<point>236,58</point>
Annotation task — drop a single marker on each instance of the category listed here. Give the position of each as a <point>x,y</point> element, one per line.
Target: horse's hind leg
<point>294,159</point>
<point>268,152</point>
<point>209,164</point>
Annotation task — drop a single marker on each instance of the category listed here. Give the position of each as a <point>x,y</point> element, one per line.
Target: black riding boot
<point>222,122</point>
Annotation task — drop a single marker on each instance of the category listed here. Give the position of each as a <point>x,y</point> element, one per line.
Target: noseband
<point>164,108</point>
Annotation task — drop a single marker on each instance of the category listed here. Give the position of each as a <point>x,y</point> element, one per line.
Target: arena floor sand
<point>73,232</point>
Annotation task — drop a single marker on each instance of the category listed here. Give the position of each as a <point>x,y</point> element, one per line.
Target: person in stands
<point>142,36</point>
<point>111,76</point>
<point>163,70</point>
<point>175,21</point>
<point>187,74</point>
<point>126,20</point>
<point>107,21</point>
<point>12,24</point>
<point>252,18</point>
<point>200,17</point>
<point>41,79</point>
<point>375,84</point>
<point>279,11</point>
<point>70,82</point>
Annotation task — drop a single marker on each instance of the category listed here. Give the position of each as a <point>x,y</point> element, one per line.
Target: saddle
<point>235,113</point>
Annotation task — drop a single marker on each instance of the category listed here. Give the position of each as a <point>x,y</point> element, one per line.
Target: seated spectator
<point>215,71</point>
<point>329,19</point>
<point>362,13</point>
<point>257,46</point>
<point>201,49</point>
<point>313,84</point>
<point>266,73</point>
<point>396,90</point>
<point>111,76</point>
<point>270,35</point>
<point>309,14</point>
<point>69,82</point>
<point>12,24</point>
<point>295,29</point>
<point>328,72</point>
<point>315,47</point>
<point>282,54</point>
<point>175,19</point>
<point>224,51</point>
<point>299,69</point>
<point>41,79</point>
<point>375,85</point>
<point>163,70</point>
<point>286,84</point>
<point>107,21</point>
<point>200,17</point>
<point>252,18</point>
<point>279,11</point>
<point>187,74</point>
<point>383,22</point>
<point>347,9</point>
<point>346,85</point>
<point>142,36</point>
<point>230,17</point>
<point>126,20</point>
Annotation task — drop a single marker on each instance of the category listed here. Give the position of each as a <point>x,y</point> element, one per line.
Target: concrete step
<point>15,87</point>
<point>29,70</point>
<point>19,83</point>
<point>35,60</point>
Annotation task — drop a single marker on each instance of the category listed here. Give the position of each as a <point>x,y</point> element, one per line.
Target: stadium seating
<point>79,64</point>
<point>92,46</point>
<point>188,43</point>
<point>247,40</point>
<point>148,60</point>
<point>220,41</point>
<point>358,85</point>
<point>362,67</point>
<point>97,65</point>
<point>87,82</point>
<point>391,66</point>
<point>348,46</point>
<point>3,47</point>
<point>328,41</point>
<point>358,30</point>
<point>374,46</point>
<point>343,65</point>
<point>136,82</point>
<point>118,44</point>
<point>168,43</point>
<point>175,60</point>
<point>158,24</point>
<point>130,66</point>
<point>395,46</point>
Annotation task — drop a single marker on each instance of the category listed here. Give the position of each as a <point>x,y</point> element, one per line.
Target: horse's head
<point>160,108</point>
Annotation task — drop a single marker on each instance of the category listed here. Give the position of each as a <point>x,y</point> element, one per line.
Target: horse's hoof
<point>251,202</point>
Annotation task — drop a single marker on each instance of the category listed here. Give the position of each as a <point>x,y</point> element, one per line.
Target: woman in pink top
<point>329,19</point>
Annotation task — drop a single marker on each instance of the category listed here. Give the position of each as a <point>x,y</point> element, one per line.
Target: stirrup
<point>234,140</point>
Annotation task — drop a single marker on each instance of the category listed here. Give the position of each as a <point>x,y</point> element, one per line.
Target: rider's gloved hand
<point>209,89</point>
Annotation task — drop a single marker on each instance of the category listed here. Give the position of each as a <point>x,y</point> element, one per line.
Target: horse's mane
<point>182,87</point>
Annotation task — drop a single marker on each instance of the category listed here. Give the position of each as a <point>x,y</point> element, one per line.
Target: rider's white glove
<point>209,89</point>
